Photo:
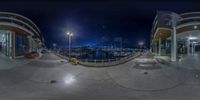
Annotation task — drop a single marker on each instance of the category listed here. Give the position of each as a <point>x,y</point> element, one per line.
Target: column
<point>188,46</point>
<point>159,46</point>
<point>192,48</point>
<point>10,45</point>
<point>13,45</point>
<point>166,46</point>
<point>156,48</point>
<point>173,44</point>
<point>30,43</point>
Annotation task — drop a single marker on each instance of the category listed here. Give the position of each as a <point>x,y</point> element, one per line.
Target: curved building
<point>175,34</point>
<point>18,35</point>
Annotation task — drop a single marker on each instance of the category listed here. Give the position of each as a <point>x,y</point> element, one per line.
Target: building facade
<point>18,35</point>
<point>175,34</point>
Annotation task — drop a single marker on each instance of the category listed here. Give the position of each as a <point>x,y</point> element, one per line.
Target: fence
<point>108,62</point>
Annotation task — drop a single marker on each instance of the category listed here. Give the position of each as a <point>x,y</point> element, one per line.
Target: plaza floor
<point>53,78</point>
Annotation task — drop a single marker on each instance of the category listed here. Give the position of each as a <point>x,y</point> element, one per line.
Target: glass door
<point>6,43</point>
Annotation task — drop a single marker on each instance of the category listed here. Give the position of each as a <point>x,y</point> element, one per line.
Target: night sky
<point>95,20</point>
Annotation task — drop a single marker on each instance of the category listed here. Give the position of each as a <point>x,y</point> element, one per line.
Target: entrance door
<point>6,43</point>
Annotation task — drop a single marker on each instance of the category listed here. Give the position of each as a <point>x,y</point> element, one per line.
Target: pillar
<point>156,48</point>
<point>30,43</point>
<point>159,46</point>
<point>193,48</point>
<point>173,44</point>
<point>188,46</point>
<point>13,44</point>
<point>166,46</point>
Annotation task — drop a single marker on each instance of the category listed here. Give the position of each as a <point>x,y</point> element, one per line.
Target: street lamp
<point>69,34</point>
<point>141,43</point>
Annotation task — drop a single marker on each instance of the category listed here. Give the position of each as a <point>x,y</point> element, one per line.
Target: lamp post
<point>69,34</point>
<point>141,44</point>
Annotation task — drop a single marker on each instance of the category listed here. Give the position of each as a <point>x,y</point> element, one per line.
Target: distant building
<point>174,34</point>
<point>18,35</point>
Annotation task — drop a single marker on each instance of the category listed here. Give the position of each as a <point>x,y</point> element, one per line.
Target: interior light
<point>192,38</point>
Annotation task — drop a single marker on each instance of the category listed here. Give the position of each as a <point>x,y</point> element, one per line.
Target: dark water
<point>99,54</point>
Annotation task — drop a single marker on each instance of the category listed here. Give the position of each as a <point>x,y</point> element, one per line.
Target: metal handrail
<point>20,17</point>
<point>18,23</point>
<point>188,21</point>
<point>12,19</point>
<point>105,60</point>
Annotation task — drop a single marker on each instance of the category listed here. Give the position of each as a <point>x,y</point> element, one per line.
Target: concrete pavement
<point>49,79</point>
<point>7,63</point>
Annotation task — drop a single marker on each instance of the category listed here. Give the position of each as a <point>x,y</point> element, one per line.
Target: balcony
<point>17,20</point>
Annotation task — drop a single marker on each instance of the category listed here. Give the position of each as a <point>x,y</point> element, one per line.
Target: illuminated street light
<point>69,34</point>
<point>141,43</point>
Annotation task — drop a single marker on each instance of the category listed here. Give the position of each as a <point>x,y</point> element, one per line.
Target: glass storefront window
<point>21,45</point>
<point>5,43</point>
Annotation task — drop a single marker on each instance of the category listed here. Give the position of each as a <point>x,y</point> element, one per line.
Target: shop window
<point>21,45</point>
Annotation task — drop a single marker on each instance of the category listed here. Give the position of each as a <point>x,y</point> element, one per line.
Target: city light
<point>141,43</point>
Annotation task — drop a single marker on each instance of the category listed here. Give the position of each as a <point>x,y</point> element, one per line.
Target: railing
<point>190,17</point>
<point>20,17</point>
<point>108,62</point>
<point>103,62</point>
<point>185,18</point>
<point>160,24</point>
<point>189,20</point>
<point>22,24</point>
<point>16,19</point>
<point>190,14</point>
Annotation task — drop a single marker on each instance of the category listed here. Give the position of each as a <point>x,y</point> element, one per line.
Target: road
<point>53,78</point>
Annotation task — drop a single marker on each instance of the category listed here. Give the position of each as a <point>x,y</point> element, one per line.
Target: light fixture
<point>192,38</point>
<point>195,27</point>
<point>141,43</point>
<point>70,33</point>
<point>194,42</point>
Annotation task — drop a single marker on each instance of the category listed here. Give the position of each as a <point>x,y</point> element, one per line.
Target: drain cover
<point>53,81</point>
<point>62,61</point>
<point>145,73</point>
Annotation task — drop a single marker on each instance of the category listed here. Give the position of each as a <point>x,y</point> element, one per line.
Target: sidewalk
<point>191,61</point>
<point>7,63</point>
